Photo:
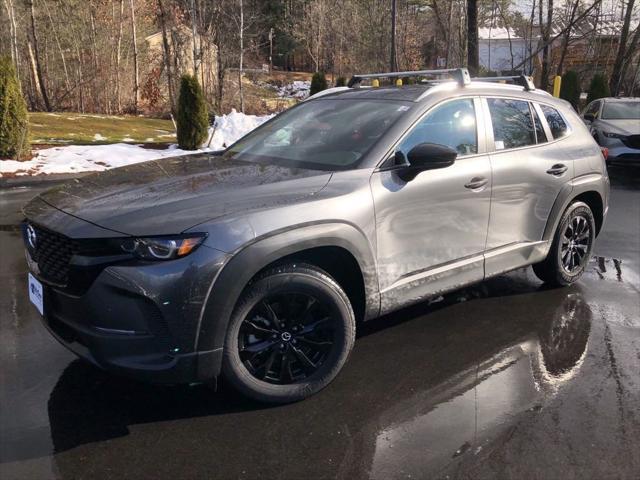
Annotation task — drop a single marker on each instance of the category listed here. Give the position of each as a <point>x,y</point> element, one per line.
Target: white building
<point>501,50</point>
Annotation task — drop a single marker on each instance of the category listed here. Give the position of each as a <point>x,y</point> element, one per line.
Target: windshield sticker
<point>499,145</point>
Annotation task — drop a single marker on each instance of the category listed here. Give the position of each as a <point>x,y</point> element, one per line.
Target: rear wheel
<point>571,247</point>
<point>290,334</point>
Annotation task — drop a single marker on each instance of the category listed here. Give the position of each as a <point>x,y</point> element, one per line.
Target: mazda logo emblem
<point>32,238</point>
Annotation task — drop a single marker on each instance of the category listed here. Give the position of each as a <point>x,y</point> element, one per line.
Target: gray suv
<point>615,124</point>
<point>259,262</point>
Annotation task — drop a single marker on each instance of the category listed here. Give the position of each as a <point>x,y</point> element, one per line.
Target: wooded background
<point>126,56</point>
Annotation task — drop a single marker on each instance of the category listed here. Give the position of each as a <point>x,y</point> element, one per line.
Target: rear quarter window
<point>557,124</point>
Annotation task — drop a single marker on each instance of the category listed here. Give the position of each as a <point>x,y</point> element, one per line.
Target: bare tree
<point>34,54</point>
<point>473,60</point>
<point>616,74</point>
<point>136,74</point>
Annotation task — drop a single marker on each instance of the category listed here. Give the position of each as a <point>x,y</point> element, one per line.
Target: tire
<point>289,309</point>
<point>560,268</point>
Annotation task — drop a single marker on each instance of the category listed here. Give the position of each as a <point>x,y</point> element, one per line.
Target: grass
<point>80,129</point>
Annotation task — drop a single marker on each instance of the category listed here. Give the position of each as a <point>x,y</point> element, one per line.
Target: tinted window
<point>512,123</point>
<point>556,122</point>
<point>621,111</point>
<point>540,135</point>
<point>325,134</point>
<point>452,124</point>
<point>593,108</point>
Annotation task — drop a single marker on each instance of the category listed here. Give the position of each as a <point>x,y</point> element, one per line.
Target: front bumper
<point>140,320</point>
<point>618,151</point>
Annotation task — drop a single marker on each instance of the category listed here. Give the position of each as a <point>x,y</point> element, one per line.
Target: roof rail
<point>522,80</point>
<point>460,75</point>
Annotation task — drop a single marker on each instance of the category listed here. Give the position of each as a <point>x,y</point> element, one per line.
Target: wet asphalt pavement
<point>506,379</point>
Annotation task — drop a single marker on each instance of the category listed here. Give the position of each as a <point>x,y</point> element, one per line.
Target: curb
<point>36,180</point>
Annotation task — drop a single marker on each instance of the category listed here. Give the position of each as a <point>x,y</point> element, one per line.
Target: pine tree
<point>318,83</point>
<point>14,122</point>
<point>599,88</point>
<point>570,88</point>
<point>192,119</point>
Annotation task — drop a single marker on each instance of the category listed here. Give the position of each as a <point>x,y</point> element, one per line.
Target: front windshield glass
<point>621,111</point>
<point>328,134</point>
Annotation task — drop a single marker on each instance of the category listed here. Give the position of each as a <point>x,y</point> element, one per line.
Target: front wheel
<point>571,247</point>
<point>289,336</point>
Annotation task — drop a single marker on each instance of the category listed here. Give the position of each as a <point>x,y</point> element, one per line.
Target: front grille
<point>632,141</point>
<point>51,251</point>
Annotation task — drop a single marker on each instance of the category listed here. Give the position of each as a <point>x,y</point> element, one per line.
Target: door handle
<point>558,169</point>
<point>476,183</point>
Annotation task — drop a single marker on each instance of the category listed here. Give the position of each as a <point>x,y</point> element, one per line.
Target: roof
<point>621,99</point>
<point>497,33</point>
<point>419,92</point>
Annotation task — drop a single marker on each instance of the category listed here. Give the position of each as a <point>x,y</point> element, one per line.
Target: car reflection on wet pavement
<point>503,379</point>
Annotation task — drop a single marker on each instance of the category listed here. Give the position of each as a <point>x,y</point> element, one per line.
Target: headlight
<point>162,248</point>
<point>613,135</point>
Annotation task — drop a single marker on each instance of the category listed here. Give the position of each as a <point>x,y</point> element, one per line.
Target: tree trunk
<point>167,56</point>
<point>567,36</point>
<point>13,32</point>
<point>196,60</point>
<point>136,74</point>
<point>616,74</point>
<point>67,82</point>
<point>35,59</point>
<point>118,57</point>
<point>473,61</point>
<point>544,75</point>
<point>393,65</point>
<point>241,56</point>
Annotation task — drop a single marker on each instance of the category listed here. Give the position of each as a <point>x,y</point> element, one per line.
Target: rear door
<point>528,173</point>
<point>431,230</point>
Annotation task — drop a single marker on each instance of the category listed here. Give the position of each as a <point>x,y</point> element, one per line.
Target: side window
<point>556,123</point>
<point>593,108</point>
<point>512,123</point>
<point>541,137</point>
<point>452,124</point>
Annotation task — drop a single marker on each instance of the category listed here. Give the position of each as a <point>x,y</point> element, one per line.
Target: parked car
<point>259,261</point>
<point>615,124</point>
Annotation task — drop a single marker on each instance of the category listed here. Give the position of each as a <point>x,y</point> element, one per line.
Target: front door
<point>431,230</point>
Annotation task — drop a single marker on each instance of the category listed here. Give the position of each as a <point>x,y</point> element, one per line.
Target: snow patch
<point>298,89</point>
<point>96,158</point>
<point>97,137</point>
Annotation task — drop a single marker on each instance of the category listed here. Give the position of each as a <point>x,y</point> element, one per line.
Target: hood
<point>170,195</point>
<point>623,127</point>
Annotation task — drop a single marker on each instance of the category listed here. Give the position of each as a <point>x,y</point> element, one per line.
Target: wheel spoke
<point>269,363</point>
<point>257,329</point>
<point>285,369</point>
<point>313,326</point>
<point>259,346</point>
<point>273,318</point>
<point>303,358</point>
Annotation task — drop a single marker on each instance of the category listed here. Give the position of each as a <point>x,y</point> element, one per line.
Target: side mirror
<point>589,117</point>
<point>425,156</point>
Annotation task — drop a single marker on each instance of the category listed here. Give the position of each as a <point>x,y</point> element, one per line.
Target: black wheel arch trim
<point>569,192</point>
<point>243,266</point>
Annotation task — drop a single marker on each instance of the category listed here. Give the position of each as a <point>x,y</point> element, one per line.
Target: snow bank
<point>96,158</point>
<point>298,89</point>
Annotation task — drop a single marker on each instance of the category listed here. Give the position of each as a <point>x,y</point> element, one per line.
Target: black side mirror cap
<point>426,156</point>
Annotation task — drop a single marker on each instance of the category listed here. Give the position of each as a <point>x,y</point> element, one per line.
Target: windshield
<point>621,111</point>
<point>328,134</point>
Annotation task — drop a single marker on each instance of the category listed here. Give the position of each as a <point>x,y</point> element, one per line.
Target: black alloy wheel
<point>291,332</point>
<point>571,248</point>
<point>286,338</point>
